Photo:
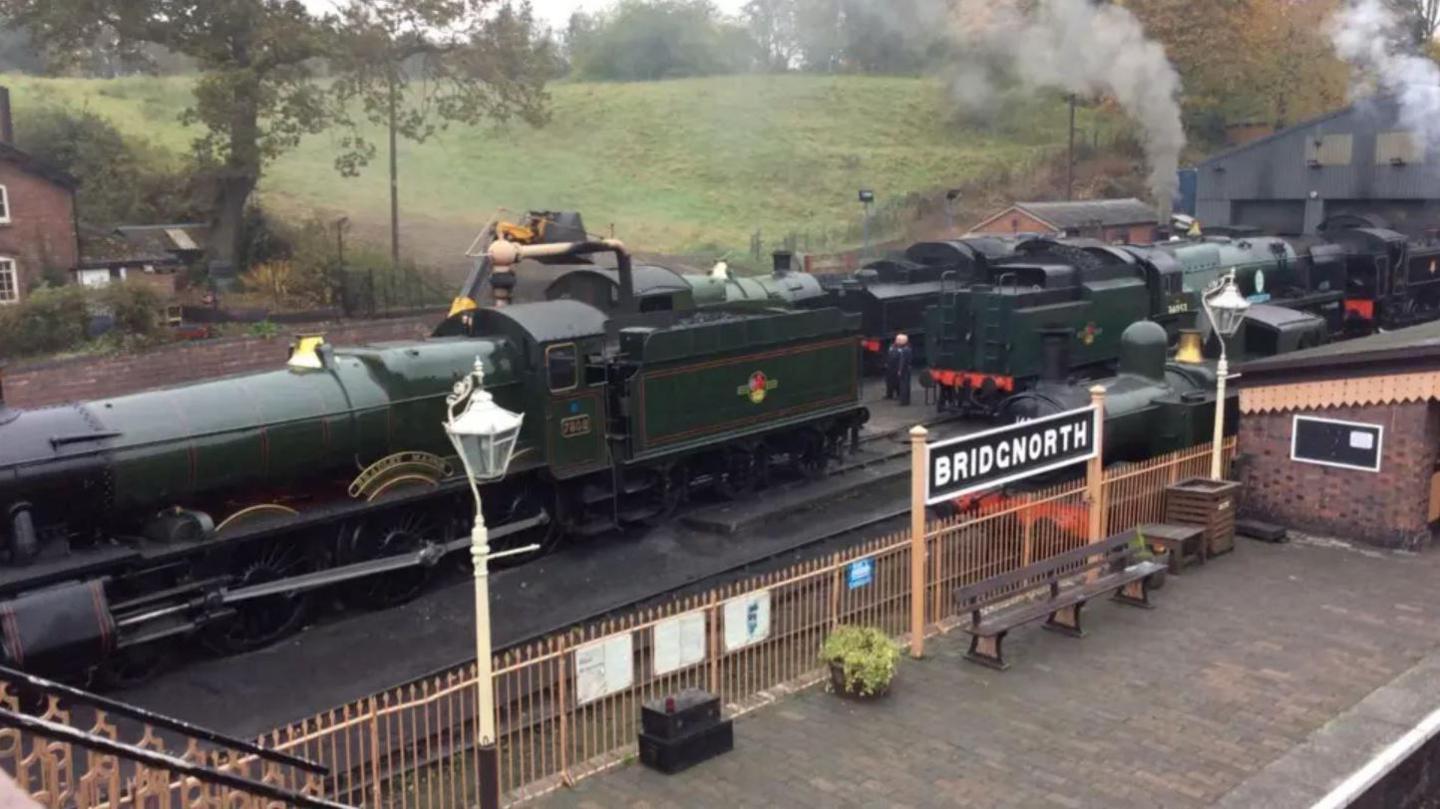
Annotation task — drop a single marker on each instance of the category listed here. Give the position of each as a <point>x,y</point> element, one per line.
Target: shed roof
<point>1276,135</point>
<point>1065,215</point>
<point>106,248</point>
<point>184,237</point>
<point>1416,348</point>
<point>39,168</point>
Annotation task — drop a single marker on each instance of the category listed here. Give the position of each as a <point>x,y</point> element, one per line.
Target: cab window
<point>562,367</point>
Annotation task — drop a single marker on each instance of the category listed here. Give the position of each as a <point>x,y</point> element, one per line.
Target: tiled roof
<point>1086,213</point>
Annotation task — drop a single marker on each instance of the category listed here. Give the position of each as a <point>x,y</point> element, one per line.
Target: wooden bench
<point>1065,583</point>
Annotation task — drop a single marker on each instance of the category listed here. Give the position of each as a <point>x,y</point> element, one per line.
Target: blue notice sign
<point>861,573</point>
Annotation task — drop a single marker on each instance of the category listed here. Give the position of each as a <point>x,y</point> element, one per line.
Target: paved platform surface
<point>1265,651</point>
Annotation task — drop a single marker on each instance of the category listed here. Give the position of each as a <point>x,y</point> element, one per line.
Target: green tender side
<point>282,427</point>
<point>716,381</point>
<point>1004,336</point>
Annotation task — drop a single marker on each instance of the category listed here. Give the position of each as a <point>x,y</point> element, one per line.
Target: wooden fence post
<point>1095,473</point>
<point>918,456</point>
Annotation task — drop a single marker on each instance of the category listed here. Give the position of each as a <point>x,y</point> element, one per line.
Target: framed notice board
<point>1331,442</point>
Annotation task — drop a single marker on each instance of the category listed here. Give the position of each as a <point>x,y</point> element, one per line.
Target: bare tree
<point>1423,15</point>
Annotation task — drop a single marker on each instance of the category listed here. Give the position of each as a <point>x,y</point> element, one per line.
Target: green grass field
<point>679,166</point>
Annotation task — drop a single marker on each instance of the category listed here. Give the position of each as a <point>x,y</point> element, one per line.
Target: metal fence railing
<point>70,749</point>
<point>568,705</point>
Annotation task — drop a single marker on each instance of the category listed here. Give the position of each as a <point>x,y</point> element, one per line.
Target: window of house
<point>562,366</point>
<point>9,282</point>
<point>4,205</point>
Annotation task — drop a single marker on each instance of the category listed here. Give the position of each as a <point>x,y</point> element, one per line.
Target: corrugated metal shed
<point>1358,159</point>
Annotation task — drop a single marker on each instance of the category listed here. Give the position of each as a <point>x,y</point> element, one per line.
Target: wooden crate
<point>1211,503</point>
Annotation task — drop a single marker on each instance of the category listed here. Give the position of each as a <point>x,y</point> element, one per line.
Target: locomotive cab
<point>562,345</point>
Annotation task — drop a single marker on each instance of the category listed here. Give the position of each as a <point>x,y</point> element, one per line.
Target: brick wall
<point>41,232</point>
<point>1387,508</point>
<point>82,378</point>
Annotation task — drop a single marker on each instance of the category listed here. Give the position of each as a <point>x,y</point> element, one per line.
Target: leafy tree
<point>643,40</point>
<point>774,25</point>
<point>416,66</point>
<point>18,53</point>
<point>254,98</point>
<point>121,181</point>
<point>864,36</point>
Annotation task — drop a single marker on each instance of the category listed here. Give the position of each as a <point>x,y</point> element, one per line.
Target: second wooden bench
<point>1055,589</point>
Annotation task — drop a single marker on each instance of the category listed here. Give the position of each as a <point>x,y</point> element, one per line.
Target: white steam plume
<point>1082,48</point>
<point>1366,34</point>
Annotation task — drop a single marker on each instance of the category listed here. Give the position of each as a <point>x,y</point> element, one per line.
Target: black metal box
<point>680,752</point>
<point>688,710</point>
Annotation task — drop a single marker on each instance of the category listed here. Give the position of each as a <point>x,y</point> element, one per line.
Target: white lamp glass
<point>484,433</point>
<point>1227,308</point>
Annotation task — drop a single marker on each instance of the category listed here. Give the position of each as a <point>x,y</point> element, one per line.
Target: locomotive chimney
<point>1055,355</point>
<point>782,262</point>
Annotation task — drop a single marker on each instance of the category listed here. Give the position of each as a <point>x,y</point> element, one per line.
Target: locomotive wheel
<point>529,504</point>
<point>738,475</point>
<point>672,488</point>
<point>814,455</point>
<point>262,621</point>
<point>398,533</point>
<point>393,533</point>
<point>249,519</point>
<point>132,666</point>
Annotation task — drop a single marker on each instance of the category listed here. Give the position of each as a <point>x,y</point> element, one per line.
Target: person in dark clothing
<point>897,370</point>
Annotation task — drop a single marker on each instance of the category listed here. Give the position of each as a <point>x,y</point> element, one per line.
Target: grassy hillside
<point>678,166</point>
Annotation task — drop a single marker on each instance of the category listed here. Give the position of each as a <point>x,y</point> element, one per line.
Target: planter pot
<point>837,684</point>
<point>1157,580</point>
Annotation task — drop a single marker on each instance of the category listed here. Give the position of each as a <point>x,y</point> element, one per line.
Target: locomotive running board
<point>428,555</point>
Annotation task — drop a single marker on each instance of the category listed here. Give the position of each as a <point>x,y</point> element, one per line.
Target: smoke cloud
<point>1079,47</point>
<point>1366,34</point>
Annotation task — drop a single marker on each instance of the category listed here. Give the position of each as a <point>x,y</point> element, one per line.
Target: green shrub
<point>866,657</point>
<point>135,306</point>
<point>52,320</point>
<point>264,329</point>
<point>46,321</point>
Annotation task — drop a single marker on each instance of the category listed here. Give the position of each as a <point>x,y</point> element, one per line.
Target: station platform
<point>1260,680</point>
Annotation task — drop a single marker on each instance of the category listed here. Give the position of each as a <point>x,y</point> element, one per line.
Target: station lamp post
<point>867,197</point>
<point>1225,307</point>
<point>484,435</point>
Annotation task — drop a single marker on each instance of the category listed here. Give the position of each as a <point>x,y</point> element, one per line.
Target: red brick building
<point>38,237</point>
<point>1128,221</point>
<point>1344,439</point>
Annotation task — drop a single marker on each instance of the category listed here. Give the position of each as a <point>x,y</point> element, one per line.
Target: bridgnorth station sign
<point>959,466</point>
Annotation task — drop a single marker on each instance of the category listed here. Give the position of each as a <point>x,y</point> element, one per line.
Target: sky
<point>554,12</point>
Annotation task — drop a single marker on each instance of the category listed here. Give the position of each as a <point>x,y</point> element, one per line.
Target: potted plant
<point>862,661</point>
<point>1143,553</point>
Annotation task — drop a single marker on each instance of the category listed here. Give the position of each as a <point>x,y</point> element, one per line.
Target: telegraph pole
<point>1070,161</point>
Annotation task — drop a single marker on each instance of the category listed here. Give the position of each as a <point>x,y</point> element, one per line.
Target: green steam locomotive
<point>222,509</point>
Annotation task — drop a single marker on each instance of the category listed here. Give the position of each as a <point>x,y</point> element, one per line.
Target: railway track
<point>578,584</point>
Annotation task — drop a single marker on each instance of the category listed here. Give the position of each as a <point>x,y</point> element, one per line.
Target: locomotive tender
<point>221,509</point>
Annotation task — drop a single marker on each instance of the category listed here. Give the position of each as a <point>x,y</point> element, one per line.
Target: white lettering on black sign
<point>983,460</point>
